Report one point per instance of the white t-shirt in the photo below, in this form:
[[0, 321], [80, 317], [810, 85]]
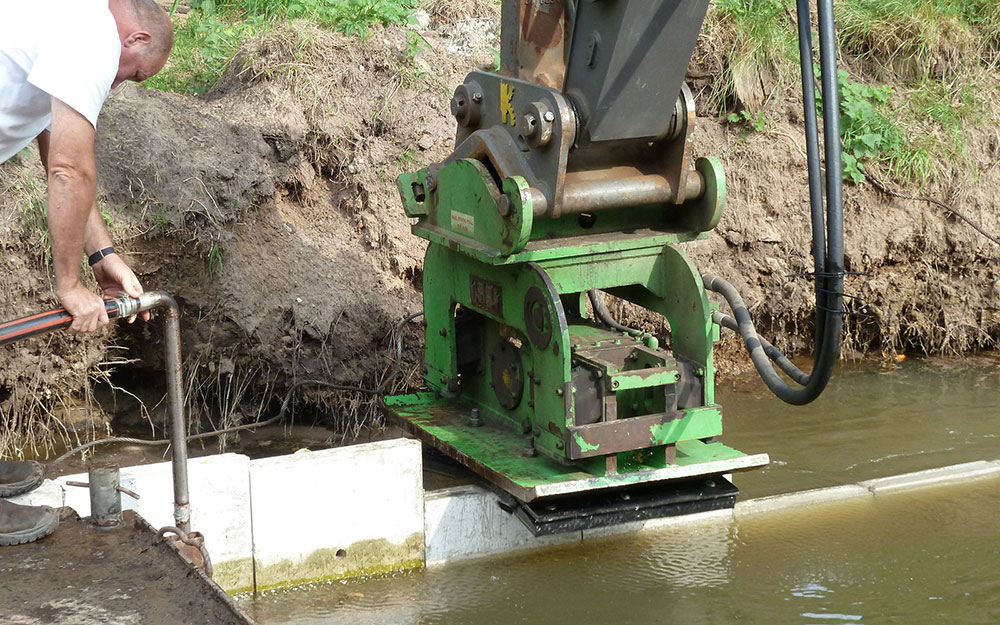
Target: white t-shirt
[[67, 49]]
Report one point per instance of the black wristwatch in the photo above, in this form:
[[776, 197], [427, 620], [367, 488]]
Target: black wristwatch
[[99, 255]]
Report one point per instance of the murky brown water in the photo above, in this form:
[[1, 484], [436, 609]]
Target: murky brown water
[[928, 557], [931, 557], [870, 422]]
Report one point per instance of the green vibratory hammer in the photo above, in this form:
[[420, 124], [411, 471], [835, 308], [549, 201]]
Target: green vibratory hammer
[[573, 176]]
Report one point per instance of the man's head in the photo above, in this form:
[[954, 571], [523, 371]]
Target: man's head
[[147, 35]]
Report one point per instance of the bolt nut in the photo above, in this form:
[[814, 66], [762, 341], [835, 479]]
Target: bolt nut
[[466, 106], [537, 124], [474, 419]]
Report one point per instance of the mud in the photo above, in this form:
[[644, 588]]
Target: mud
[[268, 208], [84, 576]]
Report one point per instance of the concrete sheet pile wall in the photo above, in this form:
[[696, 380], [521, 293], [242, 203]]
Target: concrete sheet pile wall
[[362, 510]]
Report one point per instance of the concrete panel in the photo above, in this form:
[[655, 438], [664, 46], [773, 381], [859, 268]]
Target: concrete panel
[[802, 499], [220, 508], [933, 477], [48, 493], [466, 522], [338, 513]]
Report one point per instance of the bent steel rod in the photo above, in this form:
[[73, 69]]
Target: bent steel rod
[[124, 306]]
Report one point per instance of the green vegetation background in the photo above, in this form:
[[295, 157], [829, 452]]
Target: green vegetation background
[[917, 77]]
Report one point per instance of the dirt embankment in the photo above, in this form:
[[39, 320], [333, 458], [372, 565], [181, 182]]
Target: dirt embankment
[[268, 208]]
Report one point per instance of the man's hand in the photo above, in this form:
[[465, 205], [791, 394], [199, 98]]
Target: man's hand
[[113, 276], [87, 309]]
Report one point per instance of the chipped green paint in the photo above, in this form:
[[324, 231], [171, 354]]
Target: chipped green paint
[[539, 269], [697, 423], [628, 380], [584, 445], [360, 559], [498, 451]]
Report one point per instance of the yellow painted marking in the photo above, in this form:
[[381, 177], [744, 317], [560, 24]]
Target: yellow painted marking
[[507, 104]]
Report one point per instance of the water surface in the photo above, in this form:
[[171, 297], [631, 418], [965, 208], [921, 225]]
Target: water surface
[[871, 421], [929, 557]]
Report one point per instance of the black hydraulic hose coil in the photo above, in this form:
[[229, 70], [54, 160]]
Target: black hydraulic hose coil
[[827, 229]]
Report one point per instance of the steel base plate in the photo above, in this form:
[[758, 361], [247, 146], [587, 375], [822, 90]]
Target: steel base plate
[[627, 504], [497, 454]]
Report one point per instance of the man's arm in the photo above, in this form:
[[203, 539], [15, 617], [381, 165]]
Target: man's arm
[[72, 174], [112, 274]]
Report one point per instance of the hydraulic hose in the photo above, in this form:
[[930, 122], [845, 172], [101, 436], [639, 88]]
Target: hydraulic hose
[[604, 316], [45, 322], [786, 365], [827, 229]]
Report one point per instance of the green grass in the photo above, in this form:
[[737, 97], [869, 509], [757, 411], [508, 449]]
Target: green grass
[[936, 54], [202, 50], [761, 41], [215, 260], [215, 30], [920, 38]]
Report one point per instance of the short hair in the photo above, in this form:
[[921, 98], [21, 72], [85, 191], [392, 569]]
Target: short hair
[[157, 22]]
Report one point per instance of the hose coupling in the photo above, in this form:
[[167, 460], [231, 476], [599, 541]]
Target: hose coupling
[[127, 305]]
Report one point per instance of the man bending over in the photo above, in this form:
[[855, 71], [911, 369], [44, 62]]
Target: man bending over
[[58, 61]]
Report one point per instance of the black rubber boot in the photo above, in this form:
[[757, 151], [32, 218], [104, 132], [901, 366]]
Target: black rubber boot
[[24, 524], [20, 476]]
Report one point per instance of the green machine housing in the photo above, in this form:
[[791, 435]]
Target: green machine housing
[[571, 177]]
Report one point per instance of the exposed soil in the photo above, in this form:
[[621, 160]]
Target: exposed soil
[[82, 575], [268, 208]]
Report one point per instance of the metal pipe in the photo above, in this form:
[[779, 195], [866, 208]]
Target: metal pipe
[[105, 498], [585, 196], [598, 195], [125, 306], [175, 400]]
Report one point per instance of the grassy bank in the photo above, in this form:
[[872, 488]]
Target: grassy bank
[[915, 83], [213, 31]]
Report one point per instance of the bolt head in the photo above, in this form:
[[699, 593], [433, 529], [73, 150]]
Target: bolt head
[[503, 206], [549, 116]]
